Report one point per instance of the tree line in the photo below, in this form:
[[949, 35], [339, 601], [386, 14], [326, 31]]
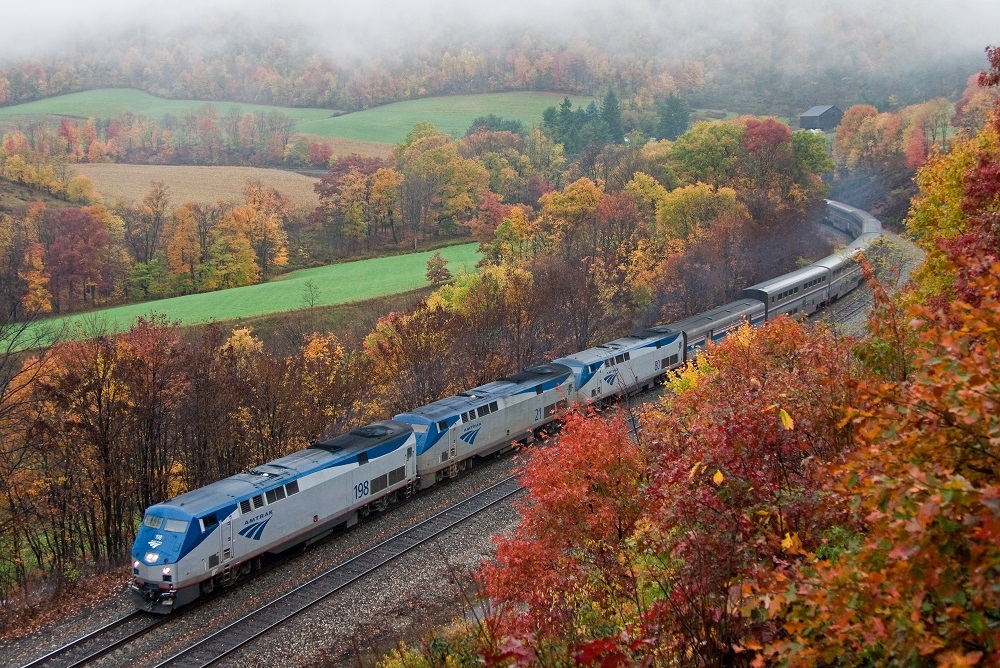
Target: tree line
[[286, 70]]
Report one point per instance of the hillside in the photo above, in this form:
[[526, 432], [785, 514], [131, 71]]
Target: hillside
[[386, 124]]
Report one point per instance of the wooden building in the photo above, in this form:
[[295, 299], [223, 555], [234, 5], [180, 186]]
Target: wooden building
[[821, 117]]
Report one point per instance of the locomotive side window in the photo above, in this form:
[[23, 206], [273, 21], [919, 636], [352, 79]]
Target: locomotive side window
[[443, 425], [276, 494], [483, 411], [292, 487], [493, 407], [207, 522], [362, 458]]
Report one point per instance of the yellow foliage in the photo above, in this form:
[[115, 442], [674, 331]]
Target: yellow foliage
[[687, 377]]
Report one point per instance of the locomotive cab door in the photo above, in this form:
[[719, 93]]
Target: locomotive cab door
[[226, 535], [452, 448]]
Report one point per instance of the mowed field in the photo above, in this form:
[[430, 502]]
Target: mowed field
[[384, 126], [330, 285], [452, 114], [110, 102], [203, 185]]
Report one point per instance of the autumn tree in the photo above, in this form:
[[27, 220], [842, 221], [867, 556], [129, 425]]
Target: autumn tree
[[19, 372], [410, 360], [81, 256], [504, 327], [352, 198], [90, 493], [917, 585], [954, 215], [211, 440], [270, 423], [145, 225], [25, 278], [233, 261], [437, 269], [440, 189], [708, 152], [566, 570]]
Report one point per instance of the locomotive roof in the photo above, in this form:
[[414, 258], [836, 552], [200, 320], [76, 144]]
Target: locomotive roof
[[610, 349], [341, 449], [477, 396], [720, 315]]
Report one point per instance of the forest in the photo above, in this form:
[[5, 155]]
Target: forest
[[807, 499]]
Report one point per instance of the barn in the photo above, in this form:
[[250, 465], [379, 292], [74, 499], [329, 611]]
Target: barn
[[821, 117]]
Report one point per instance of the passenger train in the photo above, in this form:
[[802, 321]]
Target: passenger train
[[210, 536]]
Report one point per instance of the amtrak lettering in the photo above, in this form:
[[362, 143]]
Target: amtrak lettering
[[258, 518], [254, 527]]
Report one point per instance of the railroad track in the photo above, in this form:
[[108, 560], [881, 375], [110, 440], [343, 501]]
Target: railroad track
[[265, 619], [100, 642]]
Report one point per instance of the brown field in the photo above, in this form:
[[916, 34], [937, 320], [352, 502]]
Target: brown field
[[195, 184], [343, 146]]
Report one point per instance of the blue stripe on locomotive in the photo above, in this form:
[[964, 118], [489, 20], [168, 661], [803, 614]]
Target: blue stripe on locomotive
[[546, 385], [427, 439]]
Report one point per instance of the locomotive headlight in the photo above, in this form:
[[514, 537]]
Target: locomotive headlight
[[166, 570], [151, 557], [136, 564]]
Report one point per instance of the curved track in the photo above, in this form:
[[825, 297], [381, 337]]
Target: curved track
[[248, 628]]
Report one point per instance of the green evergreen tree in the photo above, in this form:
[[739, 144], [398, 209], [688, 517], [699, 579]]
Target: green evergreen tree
[[675, 117], [611, 117]]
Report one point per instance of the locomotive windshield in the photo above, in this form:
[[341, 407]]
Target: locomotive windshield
[[156, 522]]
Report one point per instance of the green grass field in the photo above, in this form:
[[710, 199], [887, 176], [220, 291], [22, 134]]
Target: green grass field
[[453, 114], [334, 284], [387, 124], [109, 102]]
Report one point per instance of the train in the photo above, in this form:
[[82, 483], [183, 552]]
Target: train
[[212, 536]]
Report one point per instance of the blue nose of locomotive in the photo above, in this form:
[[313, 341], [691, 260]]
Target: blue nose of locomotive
[[161, 537]]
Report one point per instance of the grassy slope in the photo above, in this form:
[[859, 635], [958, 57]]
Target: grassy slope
[[386, 124], [453, 114], [335, 284], [109, 102]]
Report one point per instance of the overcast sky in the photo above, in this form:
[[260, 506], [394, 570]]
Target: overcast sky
[[913, 28]]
